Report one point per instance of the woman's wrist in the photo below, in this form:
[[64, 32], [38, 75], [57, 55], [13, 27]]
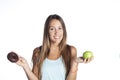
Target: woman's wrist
[[26, 66], [73, 71]]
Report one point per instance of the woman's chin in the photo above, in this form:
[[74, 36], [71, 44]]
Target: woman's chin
[[56, 42]]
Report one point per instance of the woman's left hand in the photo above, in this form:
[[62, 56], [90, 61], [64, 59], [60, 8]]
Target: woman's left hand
[[82, 60], [75, 62]]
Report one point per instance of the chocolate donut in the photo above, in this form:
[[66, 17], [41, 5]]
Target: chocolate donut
[[12, 57]]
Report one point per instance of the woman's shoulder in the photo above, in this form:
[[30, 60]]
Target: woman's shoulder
[[36, 51], [73, 50]]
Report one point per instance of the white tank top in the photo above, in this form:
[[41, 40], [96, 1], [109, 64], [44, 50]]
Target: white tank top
[[53, 69]]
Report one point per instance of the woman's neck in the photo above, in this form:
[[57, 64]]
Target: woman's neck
[[54, 52]]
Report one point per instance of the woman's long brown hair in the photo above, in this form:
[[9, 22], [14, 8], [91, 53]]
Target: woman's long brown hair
[[45, 48]]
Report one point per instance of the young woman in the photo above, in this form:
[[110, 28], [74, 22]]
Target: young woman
[[54, 59]]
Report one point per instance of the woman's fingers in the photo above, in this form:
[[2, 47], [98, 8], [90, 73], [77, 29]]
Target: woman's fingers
[[82, 60], [88, 60], [79, 60], [21, 62]]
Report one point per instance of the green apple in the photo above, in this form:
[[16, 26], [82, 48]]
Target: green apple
[[87, 54]]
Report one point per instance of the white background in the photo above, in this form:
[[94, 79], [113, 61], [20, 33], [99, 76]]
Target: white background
[[91, 25]]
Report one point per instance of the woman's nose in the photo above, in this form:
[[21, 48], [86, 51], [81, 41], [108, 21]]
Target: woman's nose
[[56, 30]]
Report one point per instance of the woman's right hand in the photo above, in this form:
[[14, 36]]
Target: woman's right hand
[[22, 62]]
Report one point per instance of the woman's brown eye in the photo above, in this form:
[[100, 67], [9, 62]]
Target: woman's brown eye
[[51, 29], [60, 28]]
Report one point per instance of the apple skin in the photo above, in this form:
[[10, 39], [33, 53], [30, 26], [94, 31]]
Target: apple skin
[[87, 54]]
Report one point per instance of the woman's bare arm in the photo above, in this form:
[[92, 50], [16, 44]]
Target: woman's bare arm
[[31, 74], [74, 66], [23, 63]]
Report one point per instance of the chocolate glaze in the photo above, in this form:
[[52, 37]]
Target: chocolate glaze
[[12, 57]]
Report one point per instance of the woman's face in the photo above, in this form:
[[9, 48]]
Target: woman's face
[[55, 31]]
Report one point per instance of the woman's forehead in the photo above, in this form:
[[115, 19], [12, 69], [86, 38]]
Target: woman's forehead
[[55, 22]]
